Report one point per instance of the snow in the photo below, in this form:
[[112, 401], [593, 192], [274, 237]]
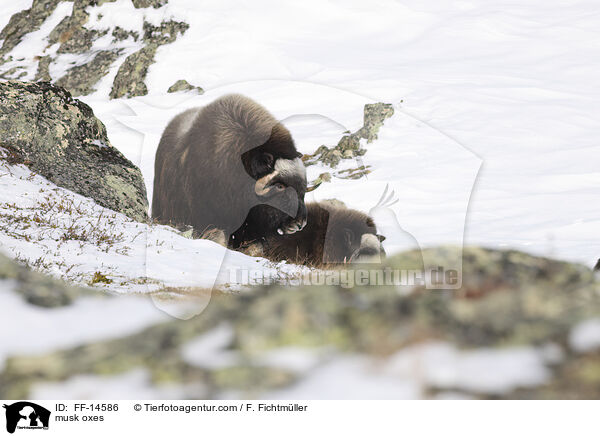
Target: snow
[[585, 336], [132, 385], [99, 143], [39, 330], [209, 349], [492, 371], [348, 378], [295, 359], [70, 236], [408, 373]]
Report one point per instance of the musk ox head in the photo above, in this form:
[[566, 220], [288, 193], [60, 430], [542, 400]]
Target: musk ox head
[[351, 237], [278, 185], [282, 192]]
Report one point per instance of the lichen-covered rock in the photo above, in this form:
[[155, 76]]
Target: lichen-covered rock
[[349, 146], [80, 80], [24, 22], [71, 33], [374, 116], [149, 3], [60, 138], [73, 37], [183, 85], [129, 81], [43, 71], [509, 299], [120, 34]]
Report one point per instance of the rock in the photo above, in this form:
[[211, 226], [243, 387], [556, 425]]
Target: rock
[[13, 73], [120, 34], [183, 85], [36, 288], [149, 3], [71, 33], [354, 173], [349, 143], [374, 116], [60, 138], [215, 235], [80, 80], [73, 37], [129, 81], [323, 177], [43, 71], [509, 299], [349, 146], [24, 22]]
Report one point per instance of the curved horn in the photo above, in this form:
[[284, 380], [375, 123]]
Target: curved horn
[[261, 184]]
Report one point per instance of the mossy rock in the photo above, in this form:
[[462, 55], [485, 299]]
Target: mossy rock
[[349, 147], [129, 81], [509, 298], [69, 146], [38, 289], [183, 85]]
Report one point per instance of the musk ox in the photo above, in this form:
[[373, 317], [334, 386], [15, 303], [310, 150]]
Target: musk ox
[[333, 235], [229, 166]]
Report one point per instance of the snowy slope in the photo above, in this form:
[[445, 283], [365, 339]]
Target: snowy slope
[[507, 84], [71, 237]]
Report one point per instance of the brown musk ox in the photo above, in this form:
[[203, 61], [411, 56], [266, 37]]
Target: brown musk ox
[[333, 235], [229, 166]]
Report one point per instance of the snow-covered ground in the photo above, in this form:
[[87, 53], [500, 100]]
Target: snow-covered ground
[[71, 237], [406, 374]]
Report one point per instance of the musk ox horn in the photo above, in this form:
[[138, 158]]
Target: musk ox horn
[[261, 184]]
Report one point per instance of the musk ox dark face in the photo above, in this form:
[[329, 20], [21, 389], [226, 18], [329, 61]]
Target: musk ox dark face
[[351, 237], [281, 194]]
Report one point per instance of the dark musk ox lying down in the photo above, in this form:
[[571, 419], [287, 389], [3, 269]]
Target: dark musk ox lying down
[[232, 167], [333, 235]]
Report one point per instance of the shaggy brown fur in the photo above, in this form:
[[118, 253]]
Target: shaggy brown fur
[[332, 235], [230, 166]]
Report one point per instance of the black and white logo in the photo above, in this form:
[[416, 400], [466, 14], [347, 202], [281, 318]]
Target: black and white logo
[[26, 415]]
